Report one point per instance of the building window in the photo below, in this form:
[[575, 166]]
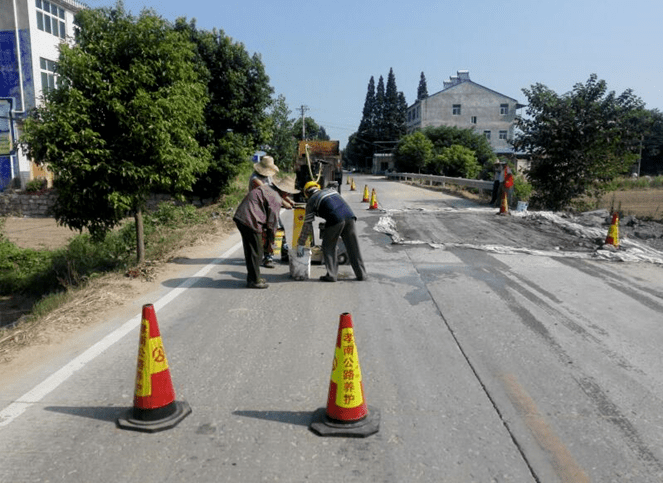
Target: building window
[[456, 110], [48, 78], [50, 18], [504, 109], [487, 134], [473, 119], [503, 135]]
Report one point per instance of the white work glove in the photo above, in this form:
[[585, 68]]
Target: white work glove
[[300, 251]]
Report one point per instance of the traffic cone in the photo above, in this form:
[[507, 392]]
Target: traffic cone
[[374, 201], [347, 413], [613, 232], [347, 180], [352, 186], [504, 206], [365, 194], [155, 408]]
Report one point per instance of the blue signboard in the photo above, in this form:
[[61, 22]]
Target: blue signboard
[[5, 172]]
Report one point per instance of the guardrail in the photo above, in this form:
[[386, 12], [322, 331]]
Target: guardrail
[[432, 179]]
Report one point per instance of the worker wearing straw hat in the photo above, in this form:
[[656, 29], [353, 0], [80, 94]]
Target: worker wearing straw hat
[[258, 213], [263, 172]]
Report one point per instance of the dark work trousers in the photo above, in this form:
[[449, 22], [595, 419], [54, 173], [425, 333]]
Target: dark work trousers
[[496, 190], [345, 230], [253, 251]]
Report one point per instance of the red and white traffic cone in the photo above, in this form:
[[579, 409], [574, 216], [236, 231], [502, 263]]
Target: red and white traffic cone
[[347, 413], [155, 408]]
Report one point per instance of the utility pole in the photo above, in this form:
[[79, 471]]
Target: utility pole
[[303, 109]]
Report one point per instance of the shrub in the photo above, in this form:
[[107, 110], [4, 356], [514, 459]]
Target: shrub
[[522, 189], [36, 185]]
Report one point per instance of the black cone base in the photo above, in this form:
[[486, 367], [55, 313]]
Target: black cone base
[[323, 425], [151, 425]]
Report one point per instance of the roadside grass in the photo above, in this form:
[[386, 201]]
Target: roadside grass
[[643, 182], [47, 279]]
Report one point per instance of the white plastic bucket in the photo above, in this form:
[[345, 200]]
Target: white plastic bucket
[[522, 206], [300, 267]]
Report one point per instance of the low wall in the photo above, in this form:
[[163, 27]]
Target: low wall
[[33, 205], [38, 205]]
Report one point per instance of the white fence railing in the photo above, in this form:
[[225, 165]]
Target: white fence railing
[[432, 179]]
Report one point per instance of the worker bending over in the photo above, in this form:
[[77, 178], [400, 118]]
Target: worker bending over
[[339, 222], [257, 213]]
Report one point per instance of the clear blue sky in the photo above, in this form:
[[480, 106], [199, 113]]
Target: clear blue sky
[[321, 54]]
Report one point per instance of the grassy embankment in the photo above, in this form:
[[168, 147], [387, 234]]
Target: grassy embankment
[[40, 281]]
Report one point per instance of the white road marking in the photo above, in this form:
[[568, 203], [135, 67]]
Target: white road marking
[[18, 407]]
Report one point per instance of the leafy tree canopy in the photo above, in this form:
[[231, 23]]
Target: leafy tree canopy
[[236, 116], [282, 145], [414, 151], [313, 130], [124, 121], [578, 141], [444, 137], [456, 161], [652, 145]]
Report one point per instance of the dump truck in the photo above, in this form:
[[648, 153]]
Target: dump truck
[[319, 161]]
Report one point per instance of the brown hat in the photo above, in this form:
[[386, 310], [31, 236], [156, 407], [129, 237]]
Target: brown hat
[[266, 166], [286, 185]]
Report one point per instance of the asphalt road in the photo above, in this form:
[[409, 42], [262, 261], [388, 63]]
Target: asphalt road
[[485, 365]]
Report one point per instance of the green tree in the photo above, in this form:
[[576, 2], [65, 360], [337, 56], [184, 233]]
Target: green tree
[[379, 109], [444, 137], [282, 144], [652, 146], [313, 130], [393, 121], [368, 122], [382, 124], [422, 90], [413, 152], [360, 147], [123, 122], [456, 161], [236, 116], [578, 141]]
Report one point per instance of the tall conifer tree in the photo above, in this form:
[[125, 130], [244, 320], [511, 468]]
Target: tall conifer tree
[[422, 90], [367, 124], [391, 115], [379, 109]]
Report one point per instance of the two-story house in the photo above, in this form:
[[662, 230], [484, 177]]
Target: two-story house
[[466, 104], [30, 32]]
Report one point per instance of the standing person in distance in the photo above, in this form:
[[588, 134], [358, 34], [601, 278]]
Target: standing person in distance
[[499, 177], [339, 222], [258, 213], [506, 185]]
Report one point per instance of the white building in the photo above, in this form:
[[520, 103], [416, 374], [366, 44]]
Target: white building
[[466, 104], [30, 32]]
